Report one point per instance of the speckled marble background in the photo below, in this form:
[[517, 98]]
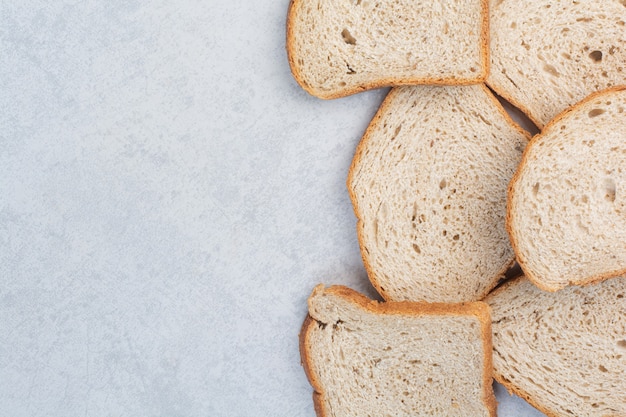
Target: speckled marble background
[[168, 199]]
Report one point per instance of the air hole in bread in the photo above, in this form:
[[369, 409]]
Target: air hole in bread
[[550, 69], [443, 184], [417, 249], [596, 56], [602, 369], [347, 37], [395, 133], [621, 344], [596, 112], [609, 189], [536, 189]]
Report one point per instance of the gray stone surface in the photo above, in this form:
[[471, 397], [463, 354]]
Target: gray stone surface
[[168, 199]]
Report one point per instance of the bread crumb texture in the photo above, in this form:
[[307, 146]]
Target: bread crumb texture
[[339, 47], [564, 352], [548, 55]]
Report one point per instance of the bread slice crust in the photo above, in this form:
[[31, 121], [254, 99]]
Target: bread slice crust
[[511, 387], [511, 207], [389, 81], [353, 172], [479, 310]]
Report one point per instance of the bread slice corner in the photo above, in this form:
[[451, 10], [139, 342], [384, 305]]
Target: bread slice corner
[[363, 357]]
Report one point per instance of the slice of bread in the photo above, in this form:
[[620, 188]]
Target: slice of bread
[[547, 56], [565, 352], [429, 186], [365, 358], [340, 47], [567, 202]]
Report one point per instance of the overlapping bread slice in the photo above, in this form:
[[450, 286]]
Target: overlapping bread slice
[[341, 47], [429, 186], [563, 352], [548, 55], [567, 203], [365, 358]]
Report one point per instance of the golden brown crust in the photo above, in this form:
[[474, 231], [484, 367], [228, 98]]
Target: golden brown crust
[[356, 161], [289, 42], [504, 113], [360, 149], [477, 309], [502, 93], [516, 391], [508, 219], [489, 397], [387, 82], [318, 404], [318, 398]]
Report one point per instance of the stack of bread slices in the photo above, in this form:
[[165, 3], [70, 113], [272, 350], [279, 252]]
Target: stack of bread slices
[[451, 195]]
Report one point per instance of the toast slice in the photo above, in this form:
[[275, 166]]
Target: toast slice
[[340, 47], [365, 358], [547, 56], [565, 352], [567, 202], [429, 184]]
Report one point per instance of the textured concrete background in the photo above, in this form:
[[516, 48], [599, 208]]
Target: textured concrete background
[[168, 199]]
